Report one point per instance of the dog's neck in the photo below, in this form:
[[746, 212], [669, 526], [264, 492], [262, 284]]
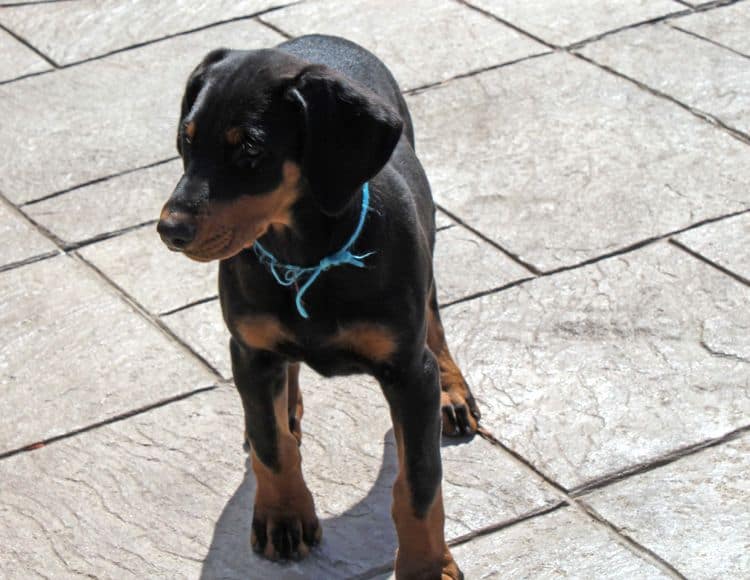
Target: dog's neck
[[312, 234]]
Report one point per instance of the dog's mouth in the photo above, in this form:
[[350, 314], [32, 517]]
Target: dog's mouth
[[217, 247], [223, 245]]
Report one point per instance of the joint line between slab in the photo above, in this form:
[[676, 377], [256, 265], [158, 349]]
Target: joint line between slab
[[530, 267], [275, 28], [626, 540], [706, 39], [706, 117], [154, 320], [189, 305], [30, 46], [633, 546], [704, 259], [468, 537], [103, 423], [98, 180]]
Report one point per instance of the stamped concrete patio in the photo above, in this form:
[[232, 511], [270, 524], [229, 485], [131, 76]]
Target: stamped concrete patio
[[591, 162]]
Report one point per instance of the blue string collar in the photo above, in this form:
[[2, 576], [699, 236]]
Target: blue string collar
[[288, 274]]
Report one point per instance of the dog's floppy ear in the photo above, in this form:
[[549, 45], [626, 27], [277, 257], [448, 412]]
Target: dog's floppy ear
[[349, 134], [195, 83]]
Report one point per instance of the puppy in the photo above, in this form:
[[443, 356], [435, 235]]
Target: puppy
[[300, 178]]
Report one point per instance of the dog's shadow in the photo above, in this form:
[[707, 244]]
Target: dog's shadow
[[354, 541]]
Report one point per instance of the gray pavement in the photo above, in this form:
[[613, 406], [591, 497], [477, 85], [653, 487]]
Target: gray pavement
[[590, 162]]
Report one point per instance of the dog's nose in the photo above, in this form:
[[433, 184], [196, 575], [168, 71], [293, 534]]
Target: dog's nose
[[177, 231]]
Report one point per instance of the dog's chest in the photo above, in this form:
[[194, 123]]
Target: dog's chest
[[348, 348]]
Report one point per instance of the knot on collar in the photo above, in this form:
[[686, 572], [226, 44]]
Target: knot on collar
[[288, 274]]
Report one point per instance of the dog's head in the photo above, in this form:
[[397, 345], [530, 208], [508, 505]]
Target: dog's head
[[260, 130]]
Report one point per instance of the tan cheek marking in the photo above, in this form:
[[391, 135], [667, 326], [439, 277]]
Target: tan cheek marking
[[249, 217], [372, 341], [262, 332]]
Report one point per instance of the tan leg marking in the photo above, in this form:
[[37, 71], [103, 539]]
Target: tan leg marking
[[422, 551], [460, 411], [294, 405], [284, 519]]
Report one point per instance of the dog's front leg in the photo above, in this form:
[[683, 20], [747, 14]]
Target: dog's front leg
[[414, 398], [284, 520]]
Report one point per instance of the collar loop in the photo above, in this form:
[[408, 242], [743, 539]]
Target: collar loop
[[288, 274]]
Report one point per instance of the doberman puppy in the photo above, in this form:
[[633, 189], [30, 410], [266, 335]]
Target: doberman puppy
[[300, 177]]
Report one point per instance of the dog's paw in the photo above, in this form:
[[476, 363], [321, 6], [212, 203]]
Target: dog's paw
[[285, 537], [460, 413]]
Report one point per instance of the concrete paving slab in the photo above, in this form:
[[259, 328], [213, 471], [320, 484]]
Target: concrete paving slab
[[592, 371], [727, 25], [202, 327], [692, 512], [563, 22], [562, 544], [21, 240], [108, 206], [160, 280], [17, 60], [693, 71], [73, 354], [106, 116], [725, 243], [163, 493], [74, 31], [560, 162], [419, 49], [466, 264]]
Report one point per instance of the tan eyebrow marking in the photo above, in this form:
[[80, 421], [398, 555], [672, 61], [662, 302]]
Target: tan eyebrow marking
[[190, 130], [233, 136]]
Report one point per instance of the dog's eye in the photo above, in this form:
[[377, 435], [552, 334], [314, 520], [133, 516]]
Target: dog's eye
[[248, 155]]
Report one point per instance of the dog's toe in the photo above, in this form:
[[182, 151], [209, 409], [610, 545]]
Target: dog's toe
[[284, 538], [460, 414]]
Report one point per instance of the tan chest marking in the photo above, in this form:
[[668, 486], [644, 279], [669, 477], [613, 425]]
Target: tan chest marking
[[263, 332], [371, 341]]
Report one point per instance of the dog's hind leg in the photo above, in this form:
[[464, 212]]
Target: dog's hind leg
[[460, 411], [284, 521]]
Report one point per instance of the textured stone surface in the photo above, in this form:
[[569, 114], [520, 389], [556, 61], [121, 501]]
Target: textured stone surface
[[593, 370], [419, 50], [563, 22], [466, 264], [692, 512], [105, 116], [163, 494], [560, 162], [157, 278], [73, 353], [727, 25], [17, 60], [724, 243], [20, 240], [111, 205], [72, 31], [203, 328], [562, 544], [705, 76]]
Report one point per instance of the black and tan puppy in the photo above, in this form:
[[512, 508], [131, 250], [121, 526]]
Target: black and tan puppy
[[301, 178]]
